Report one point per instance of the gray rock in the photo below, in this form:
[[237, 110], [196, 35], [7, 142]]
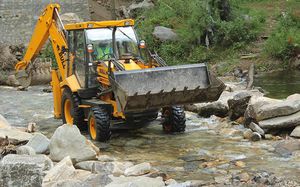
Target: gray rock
[[135, 7], [136, 181], [3, 122], [61, 171], [215, 108], [164, 34], [20, 174], [25, 150], [139, 169], [255, 137], [68, 18], [115, 168], [296, 132], [106, 158], [281, 122], [14, 134], [190, 183], [238, 105], [40, 143], [97, 180], [41, 161], [67, 141], [254, 127], [269, 137]]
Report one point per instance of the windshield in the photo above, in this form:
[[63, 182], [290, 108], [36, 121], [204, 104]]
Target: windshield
[[126, 43]]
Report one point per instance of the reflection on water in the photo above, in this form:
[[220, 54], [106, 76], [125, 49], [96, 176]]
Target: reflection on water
[[279, 84]]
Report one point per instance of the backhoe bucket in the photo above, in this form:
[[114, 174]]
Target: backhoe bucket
[[152, 88]]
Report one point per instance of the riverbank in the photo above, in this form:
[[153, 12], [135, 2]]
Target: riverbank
[[212, 151]]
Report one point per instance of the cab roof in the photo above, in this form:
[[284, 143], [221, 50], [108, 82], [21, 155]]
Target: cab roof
[[99, 24]]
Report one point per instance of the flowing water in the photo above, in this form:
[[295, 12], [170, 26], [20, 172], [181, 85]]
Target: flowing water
[[200, 153], [279, 84]]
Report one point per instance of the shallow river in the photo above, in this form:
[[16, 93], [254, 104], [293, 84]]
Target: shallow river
[[182, 156]]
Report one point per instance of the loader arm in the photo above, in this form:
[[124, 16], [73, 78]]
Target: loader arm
[[50, 26]]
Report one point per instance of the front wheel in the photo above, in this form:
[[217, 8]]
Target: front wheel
[[174, 119], [99, 124]]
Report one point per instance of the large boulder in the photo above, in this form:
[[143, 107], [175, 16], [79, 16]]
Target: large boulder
[[136, 181], [39, 142], [3, 122], [23, 170], [25, 150], [275, 108], [281, 122], [164, 34], [67, 141]]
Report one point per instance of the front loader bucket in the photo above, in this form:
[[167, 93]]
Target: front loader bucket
[[164, 86]]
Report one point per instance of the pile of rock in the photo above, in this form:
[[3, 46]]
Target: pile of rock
[[68, 158], [262, 116]]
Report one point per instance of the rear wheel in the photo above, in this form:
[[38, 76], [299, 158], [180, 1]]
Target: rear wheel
[[99, 124], [174, 119], [71, 113]]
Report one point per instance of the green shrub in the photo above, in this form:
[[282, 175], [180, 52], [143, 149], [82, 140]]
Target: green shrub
[[284, 42]]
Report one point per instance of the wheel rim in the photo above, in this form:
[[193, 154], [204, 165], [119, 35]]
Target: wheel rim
[[92, 127], [67, 112]]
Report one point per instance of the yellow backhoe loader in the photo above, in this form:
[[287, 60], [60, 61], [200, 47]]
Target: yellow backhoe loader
[[102, 81]]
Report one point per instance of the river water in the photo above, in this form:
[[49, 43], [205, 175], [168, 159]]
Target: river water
[[202, 152], [279, 84]]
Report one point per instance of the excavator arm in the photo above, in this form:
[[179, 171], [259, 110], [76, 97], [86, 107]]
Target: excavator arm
[[49, 25]]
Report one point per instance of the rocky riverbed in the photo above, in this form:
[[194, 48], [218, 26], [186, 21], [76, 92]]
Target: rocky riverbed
[[213, 150]]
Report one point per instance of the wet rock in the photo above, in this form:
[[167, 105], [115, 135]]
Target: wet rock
[[238, 104], [14, 134], [296, 132], [25, 150], [287, 147], [255, 137], [269, 137], [3, 122], [247, 134], [255, 128], [190, 183], [224, 179], [67, 141], [139, 169], [281, 122], [61, 171], [136, 181], [164, 34], [240, 164], [231, 132], [115, 168], [40, 143], [31, 127], [214, 108]]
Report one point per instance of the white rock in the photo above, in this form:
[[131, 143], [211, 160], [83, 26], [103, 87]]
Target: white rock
[[136, 182], [39, 142], [106, 158], [296, 132], [62, 170], [139, 169], [164, 33], [256, 128], [67, 141], [25, 150]]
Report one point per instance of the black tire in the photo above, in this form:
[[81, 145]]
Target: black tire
[[76, 112], [102, 124], [174, 119]]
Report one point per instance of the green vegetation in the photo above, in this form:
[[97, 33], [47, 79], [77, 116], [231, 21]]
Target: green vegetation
[[284, 42], [196, 21]]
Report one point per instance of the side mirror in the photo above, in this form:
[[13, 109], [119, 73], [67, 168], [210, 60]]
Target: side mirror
[[90, 48], [142, 44]]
